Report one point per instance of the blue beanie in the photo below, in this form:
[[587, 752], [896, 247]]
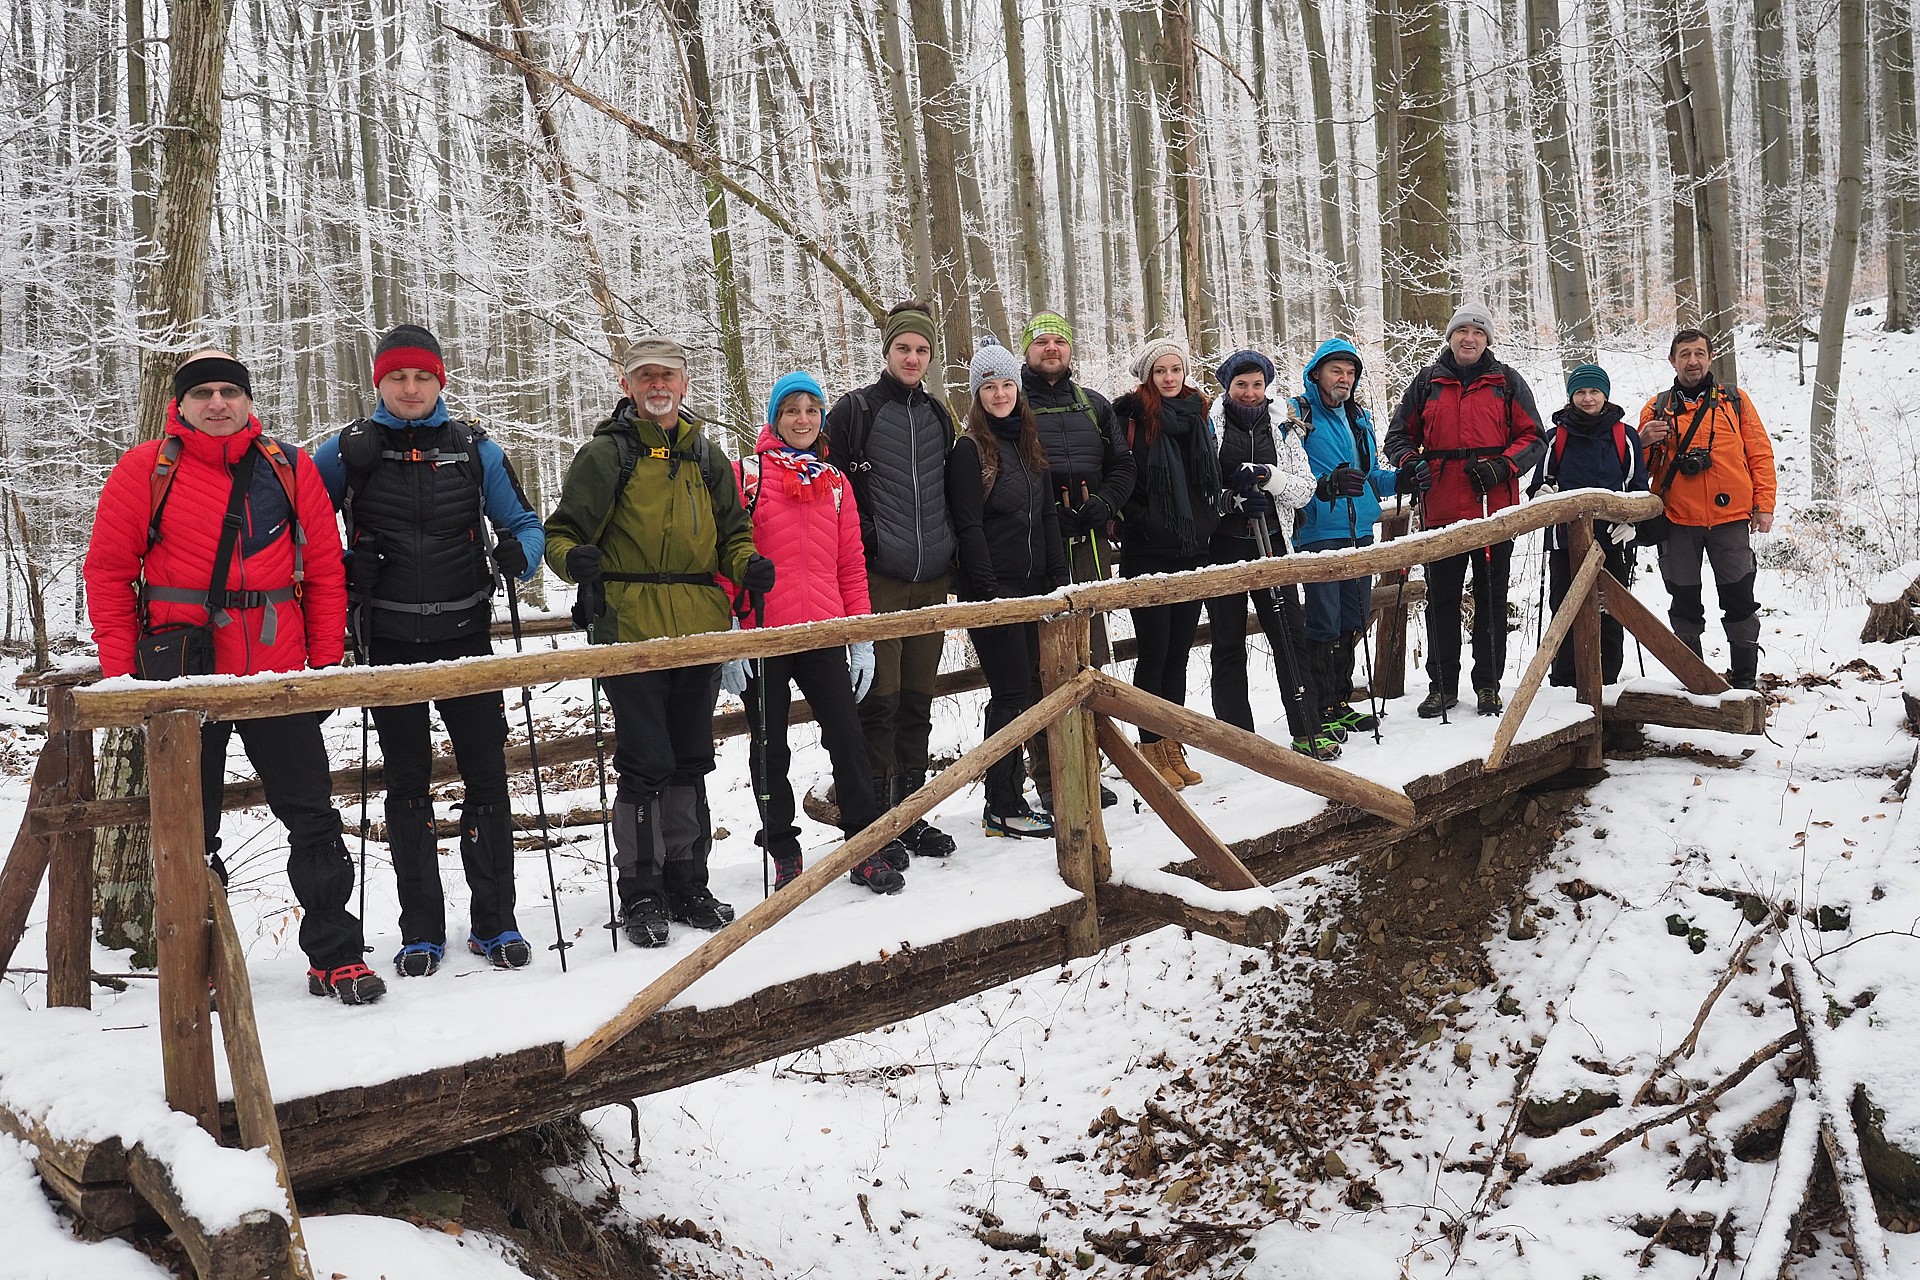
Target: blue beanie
[[1238, 363], [798, 380], [1589, 375]]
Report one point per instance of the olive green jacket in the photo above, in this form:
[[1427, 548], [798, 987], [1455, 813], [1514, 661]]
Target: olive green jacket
[[679, 513]]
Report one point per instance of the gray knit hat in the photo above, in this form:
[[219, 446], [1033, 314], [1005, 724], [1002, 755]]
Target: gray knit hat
[[1155, 348], [1475, 314], [991, 362]]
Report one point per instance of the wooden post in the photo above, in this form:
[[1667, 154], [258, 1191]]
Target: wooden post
[[70, 865], [1390, 636], [1588, 675], [1065, 644], [27, 860], [1564, 619], [252, 1096], [180, 916]]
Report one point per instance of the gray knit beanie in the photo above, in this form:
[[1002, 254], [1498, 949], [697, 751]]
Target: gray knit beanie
[[1475, 314], [991, 362]]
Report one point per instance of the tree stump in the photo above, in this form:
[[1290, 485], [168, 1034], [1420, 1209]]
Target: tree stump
[[1893, 606]]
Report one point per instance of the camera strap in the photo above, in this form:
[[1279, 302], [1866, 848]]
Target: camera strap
[[1693, 429]]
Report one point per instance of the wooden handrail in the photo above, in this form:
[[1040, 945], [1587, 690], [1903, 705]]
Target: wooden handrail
[[272, 694]]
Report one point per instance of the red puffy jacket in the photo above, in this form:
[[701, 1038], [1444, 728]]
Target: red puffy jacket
[[310, 630], [812, 537], [1450, 424]]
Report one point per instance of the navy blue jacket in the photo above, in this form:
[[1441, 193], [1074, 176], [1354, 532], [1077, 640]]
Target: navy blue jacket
[[1590, 459]]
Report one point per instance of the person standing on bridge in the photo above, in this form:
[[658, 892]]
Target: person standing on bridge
[[649, 513], [215, 501], [1471, 422], [423, 495], [803, 512]]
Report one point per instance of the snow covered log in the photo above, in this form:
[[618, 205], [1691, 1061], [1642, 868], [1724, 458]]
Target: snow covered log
[[1893, 606]]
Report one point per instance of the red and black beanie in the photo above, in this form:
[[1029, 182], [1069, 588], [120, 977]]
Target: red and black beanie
[[408, 346]]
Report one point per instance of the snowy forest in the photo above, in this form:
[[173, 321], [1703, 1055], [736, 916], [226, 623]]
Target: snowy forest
[[760, 178]]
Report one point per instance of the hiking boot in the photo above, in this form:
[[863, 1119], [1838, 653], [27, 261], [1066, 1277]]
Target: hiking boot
[[350, 983], [923, 839], [896, 855], [508, 951], [1320, 747], [1020, 822], [1177, 757], [1330, 727], [1436, 704], [1743, 671], [877, 874], [1156, 754], [786, 869], [645, 920], [700, 909], [419, 959], [1352, 719], [1107, 798], [1489, 703]]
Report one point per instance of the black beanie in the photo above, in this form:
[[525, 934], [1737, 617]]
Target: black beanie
[[408, 346], [213, 367]]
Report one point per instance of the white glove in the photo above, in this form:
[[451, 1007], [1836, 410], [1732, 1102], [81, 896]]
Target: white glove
[[1621, 534], [1546, 488], [733, 676], [860, 667]]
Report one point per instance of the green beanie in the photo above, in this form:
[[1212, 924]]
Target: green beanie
[[911, 320], [1046, 322], [1589, 375]]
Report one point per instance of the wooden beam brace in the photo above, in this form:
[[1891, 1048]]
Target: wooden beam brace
[[1563, 619], [969, 768], [70, 866], [27, 861], [1124, 702], [1687, 666], [1228, 872], [1264, 926]]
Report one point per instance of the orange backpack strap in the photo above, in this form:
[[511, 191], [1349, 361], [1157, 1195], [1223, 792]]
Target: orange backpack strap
[[159, 484], [283, 470]]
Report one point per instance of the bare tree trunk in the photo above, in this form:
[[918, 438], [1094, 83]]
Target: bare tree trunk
[[685, 16], [1384, 18], [1681, 162], [1114, 233], [1181, 118], [919, 208], [175, 295], [139, 125], [1894, 57], [1776, 172], [1422, 193], [1333, 235], [1566, 257], [1064, 175], [1712, 199], [939, 105], [1849, 179], [1142, 30], [1026, 170]]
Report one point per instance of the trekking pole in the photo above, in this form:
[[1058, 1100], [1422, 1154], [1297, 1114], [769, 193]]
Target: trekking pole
[[606, 818], [560, 942], [360, 648], [1366, 630], [761, 796], [1293, 692]]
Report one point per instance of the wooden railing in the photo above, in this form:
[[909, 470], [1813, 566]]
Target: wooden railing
[[1078, 711]]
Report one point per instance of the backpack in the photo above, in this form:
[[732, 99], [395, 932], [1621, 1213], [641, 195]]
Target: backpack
[[750, 484], [160, 485], [468, 432]]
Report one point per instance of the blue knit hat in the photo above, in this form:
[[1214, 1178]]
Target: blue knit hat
[[1589, 375], [1239, 362], [991, 362], [798, 380]]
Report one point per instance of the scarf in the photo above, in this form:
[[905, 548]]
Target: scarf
[[797, 468], [1248, 417], [1180, 467], [437, 417]]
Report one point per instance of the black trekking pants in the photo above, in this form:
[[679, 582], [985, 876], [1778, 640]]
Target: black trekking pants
[[1165, 636], [662, 729], [1613, 646], [1009, 656], [477, 728], [1445, 578], [1284, 625], [291, 759], [828, 688]]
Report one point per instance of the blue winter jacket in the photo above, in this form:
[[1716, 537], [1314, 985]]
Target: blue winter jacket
[[1332, 436]]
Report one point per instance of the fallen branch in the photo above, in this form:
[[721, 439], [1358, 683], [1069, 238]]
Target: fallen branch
[[1837, 1133], [1565, 1172], [1735, 965], [1787, 1197], [1165, 1117]]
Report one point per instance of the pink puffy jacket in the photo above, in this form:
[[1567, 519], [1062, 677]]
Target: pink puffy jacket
[[810, 529]]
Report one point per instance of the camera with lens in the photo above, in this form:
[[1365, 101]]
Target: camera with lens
[[1694, 462]]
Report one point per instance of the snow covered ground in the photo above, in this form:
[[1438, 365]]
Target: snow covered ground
[[886, 1154]]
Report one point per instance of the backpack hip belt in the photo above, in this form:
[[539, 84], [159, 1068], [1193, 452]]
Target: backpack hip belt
[[226, 601], [433, 608], [664, 579]]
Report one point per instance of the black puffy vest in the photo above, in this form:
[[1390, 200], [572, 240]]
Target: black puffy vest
[[1013, 513], [1076, 447], [421, 503], [906, 489]]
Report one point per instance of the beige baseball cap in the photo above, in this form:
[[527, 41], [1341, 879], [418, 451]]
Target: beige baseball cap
[[652, 348]]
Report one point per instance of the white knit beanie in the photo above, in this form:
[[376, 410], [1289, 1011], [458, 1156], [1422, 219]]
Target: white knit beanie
[[1155, 348]]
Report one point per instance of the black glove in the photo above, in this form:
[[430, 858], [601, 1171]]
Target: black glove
[[512, 557], [1487, 474], [583, 564], [758, 576], [1258, 505], [1414, 476], [363, 567], [1246, 480], [1093, 514], [1341, 482]]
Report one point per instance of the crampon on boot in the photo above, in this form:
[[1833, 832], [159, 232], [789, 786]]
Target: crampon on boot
[[352, 983], [508, 951]]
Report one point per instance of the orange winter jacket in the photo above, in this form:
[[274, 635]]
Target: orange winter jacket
[[1741, 479]]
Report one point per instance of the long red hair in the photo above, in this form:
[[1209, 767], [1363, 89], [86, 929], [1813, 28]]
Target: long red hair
[[1150, 402]]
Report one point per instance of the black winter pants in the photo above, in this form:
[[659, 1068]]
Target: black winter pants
[[1009, 656], [662, 728], [291, 760], [1165, 636], [477, 727], [1445, 578], [1283, 623], [824, 682], [1613, 646]]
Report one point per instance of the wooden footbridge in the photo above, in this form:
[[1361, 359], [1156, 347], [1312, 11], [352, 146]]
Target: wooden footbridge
[[649, 1032]]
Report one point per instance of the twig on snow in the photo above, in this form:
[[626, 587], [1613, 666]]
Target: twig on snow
[[1735, 965]]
